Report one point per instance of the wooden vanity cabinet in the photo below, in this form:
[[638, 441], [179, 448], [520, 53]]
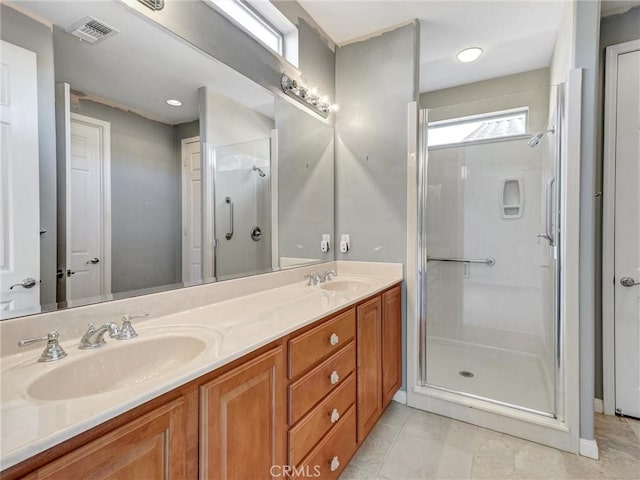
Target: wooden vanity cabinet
[[379, 367], [369, 331], [305, 402], [155, 445], [243, 420], [391, 344], [322, 397]]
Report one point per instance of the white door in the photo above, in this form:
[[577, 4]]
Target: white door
[[87, 210], [19, 194], [191, 211], [627, 235]]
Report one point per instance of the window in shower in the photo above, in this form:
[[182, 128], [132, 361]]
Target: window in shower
[[488, 126]]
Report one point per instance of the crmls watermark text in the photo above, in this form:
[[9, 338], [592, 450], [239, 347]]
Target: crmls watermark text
[[304, 471]]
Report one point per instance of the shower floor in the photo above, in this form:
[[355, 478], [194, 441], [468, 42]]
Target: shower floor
[[504, 375]]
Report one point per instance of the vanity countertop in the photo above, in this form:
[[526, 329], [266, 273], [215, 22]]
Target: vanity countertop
[[223, 332]]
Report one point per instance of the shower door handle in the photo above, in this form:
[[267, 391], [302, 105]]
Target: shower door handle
[[229, 234], [548, 222]]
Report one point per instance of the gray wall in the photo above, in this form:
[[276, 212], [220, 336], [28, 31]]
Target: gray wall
[[486, 89], [613, 30], [25, 32], [512, 91], [305, 183], [186, 130], [146, 211], [375, 81]]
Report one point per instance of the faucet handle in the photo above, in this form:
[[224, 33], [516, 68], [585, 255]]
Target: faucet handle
[[328, 273], [53, 350], [127, 331], [128, 316]]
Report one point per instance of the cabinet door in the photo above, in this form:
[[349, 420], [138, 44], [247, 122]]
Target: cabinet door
[[243, 429], [156, 445], [369, 368], [391, 344]]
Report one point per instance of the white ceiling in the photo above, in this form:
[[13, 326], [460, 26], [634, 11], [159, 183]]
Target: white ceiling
[[143, 65], [516, 36]]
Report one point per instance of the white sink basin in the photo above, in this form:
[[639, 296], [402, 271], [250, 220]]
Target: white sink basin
[[345, 286], [116, 366]]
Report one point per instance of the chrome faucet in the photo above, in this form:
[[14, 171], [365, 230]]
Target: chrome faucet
[[327, 275], [314, 279], [53, 350], [127, 331], [94, 338]]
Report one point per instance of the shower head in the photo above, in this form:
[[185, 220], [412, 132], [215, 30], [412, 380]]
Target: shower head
[[260, 171], [535, 140]]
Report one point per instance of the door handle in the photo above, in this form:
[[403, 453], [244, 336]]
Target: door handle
[[93, 261], [229, 234], [548, 233], [628, 282], [26, 283]]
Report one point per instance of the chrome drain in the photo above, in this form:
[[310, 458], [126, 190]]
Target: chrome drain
[[466, 374]]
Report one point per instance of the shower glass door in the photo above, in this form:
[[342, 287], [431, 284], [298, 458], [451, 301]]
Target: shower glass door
[[242, 184], [489, 259]]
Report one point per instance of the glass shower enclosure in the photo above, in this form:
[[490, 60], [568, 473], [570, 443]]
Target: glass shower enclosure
[[488, 254], [242, 197]]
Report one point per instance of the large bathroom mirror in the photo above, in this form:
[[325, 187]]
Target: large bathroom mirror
[[133, 162]]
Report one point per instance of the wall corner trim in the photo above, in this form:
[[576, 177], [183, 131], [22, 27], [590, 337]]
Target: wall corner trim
[[400, 397], [598, 405], [589, 448]]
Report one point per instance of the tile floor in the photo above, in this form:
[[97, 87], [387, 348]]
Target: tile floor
[[410, 444]]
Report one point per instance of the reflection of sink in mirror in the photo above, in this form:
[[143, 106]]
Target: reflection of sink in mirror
[[132, 113], [116, 366], [345, 286]]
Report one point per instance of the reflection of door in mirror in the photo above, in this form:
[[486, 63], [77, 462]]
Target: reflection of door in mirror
[[88, 209], [19, 197], [191, 211]]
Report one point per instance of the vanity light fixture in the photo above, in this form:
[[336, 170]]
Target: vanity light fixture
[[469, 54], [310, 97], [174, 103]]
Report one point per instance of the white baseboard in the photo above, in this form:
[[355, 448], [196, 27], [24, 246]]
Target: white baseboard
[[589, 448], [598, 405], [400, 397]]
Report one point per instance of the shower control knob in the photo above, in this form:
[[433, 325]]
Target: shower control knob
[[628, 282]]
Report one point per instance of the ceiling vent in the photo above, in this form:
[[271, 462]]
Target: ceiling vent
[[91, 30], [153, 4]]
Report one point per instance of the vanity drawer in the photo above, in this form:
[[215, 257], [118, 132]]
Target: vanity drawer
[[318, 343], [319, 421], [332, 454], [309, 390]]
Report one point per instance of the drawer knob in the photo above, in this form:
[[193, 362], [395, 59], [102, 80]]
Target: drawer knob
[[335, 415], [334, 339], [334, 463], [334, 377]]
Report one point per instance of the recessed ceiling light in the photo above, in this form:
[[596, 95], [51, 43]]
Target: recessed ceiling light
[[174, 103], [469, 54]]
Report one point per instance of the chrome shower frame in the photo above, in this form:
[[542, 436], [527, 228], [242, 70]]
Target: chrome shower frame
[[422, 265]]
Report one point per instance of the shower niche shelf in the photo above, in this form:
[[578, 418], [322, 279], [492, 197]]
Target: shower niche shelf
[[512, 198]]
